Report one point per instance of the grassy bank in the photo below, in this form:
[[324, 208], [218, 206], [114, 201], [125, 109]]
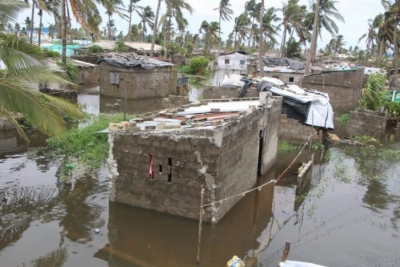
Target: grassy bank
[[85, 144]]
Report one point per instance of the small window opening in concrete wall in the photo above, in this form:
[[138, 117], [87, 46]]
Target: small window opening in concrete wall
[[170, 170], [151, 171], [227, 61], [160, 169], [291, 79]]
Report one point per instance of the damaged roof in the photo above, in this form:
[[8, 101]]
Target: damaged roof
[[132, 61]]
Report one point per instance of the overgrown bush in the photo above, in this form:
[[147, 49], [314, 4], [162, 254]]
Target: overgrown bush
[[375, 96], [95, 49], [72, 69], [197, 66], [85, 144], [50, 53], [121, 46]]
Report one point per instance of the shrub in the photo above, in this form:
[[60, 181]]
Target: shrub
[[95, 49], [50, 53], [72, 69], [197, 66]]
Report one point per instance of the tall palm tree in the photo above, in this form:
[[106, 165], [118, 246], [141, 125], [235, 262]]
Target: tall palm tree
[[174, 9], [293, 16], [147, 16], [393, 15], [33, 3], [210, 34], [313, 45], [270, 29], [153, 39], [370, 37], [327, 14], [250, 7], [241, 28], [131, 7], [23, 66], [339, 43], [225, 14]]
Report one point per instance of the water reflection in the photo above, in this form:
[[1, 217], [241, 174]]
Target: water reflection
[[148, 238]]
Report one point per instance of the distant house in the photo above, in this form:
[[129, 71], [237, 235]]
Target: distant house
[[140, 77], [234, 61], [287, 70]]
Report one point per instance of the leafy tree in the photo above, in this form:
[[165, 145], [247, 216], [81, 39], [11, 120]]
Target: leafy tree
[[293, 48]]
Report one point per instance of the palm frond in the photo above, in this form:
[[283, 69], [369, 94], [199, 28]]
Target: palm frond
[[9, 9]]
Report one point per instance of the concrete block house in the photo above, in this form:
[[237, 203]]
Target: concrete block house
[[163, 161], [141, 77]]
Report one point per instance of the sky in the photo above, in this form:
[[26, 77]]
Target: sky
[[355, 12]]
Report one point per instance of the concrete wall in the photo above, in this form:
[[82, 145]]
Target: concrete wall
[[343, 87], [216, 92], [174, 101], [91, 58], [271, 133], [223, 160], [286, 77], [293, 131], [139, 83], [70, 95], [87, 76], [365, 122], [394, 82]]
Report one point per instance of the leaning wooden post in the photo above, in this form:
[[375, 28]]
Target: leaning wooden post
[[200, 223], [285, 252]]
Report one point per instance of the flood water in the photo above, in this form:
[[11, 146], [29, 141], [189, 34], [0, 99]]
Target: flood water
[[349, 214]]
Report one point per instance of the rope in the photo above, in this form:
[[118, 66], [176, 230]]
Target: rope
[[290, 165], [260, 186]]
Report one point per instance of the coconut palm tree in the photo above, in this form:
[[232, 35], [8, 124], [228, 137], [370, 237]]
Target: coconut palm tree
[[153, 39], [147, 16], [225, 13], [241, 29], [371, 37], [270, 29], [23, 66], [293, 17], [313, 45], [131, 7], [393, 16], [174, 9], [250, 7], [210, 34], [327, 14], [339, 43]]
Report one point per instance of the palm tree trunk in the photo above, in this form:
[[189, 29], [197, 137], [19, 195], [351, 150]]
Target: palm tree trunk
[[396, 48], [380, 53], [63, 37], [153, 39], [167, 31], [235, 42], [261, 41], [143, 31], [283, 39], [313, 45], [219, 34], [40, 26], [32, 21], [130, 24], [109, 27], [367, 54]]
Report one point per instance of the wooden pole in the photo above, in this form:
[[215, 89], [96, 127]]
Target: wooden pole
[[285, 252], [200, 224]]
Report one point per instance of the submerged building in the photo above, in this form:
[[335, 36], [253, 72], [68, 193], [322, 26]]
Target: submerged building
[[162, 161]]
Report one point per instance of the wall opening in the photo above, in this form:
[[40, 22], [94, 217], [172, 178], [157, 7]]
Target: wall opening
[[260, 151], [170, 170], [227, 61], [160, 169], [291, 79]]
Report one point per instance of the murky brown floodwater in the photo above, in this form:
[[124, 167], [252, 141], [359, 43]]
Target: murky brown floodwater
[[348, 216]]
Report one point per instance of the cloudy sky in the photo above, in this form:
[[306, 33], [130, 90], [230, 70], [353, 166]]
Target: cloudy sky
[[355, 12]]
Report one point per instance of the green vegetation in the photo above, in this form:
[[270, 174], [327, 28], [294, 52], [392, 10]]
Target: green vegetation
[[286, 147], [375, 96], [197, 66], [343, 119], [50, 53], [85, 144], [72, 69], [120, 46], [366, 139], [95, 49]]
